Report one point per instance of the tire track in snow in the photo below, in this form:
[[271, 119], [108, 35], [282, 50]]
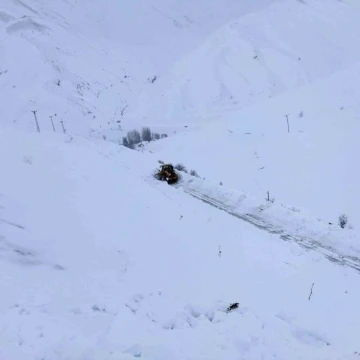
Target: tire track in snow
[[308, 243]]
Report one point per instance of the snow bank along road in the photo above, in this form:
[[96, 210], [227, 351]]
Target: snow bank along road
[[285, 233]]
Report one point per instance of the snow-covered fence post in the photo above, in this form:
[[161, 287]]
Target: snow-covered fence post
[[311, 291], [62, 124], [287, 119], [36, 121], [51, 118]]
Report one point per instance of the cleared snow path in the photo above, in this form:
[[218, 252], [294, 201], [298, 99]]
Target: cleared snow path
[[331, 253]]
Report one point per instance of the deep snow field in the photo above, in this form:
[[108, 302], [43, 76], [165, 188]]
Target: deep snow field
[[99, 260]]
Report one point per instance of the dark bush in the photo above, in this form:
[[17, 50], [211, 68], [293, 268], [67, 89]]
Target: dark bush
[[180, 167], [343, 220], [194, 173]]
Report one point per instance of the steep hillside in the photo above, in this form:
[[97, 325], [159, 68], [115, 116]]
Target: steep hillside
[[244, 259], [312, 167], [99, 260], [104, 68], [259, 56], [88, 62]]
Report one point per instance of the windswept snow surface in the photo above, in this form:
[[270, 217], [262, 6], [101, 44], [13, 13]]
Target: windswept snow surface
[[100, 260]]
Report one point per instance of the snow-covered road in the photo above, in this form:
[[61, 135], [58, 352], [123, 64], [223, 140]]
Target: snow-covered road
[[285, 234]]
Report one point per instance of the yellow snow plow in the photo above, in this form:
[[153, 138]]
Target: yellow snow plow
[[167, 173]]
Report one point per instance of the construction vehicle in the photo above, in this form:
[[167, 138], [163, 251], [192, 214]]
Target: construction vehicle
[[167, 173]]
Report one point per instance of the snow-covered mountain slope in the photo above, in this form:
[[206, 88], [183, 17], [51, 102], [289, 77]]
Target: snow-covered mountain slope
[[99, 260], [88, 62], [313, 167], [103, 67], [259, 56]]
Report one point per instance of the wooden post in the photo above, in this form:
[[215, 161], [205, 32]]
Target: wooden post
[[62, 123], [287, 119], [36, 121], [52, 123]]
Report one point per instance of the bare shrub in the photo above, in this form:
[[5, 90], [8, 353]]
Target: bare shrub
[[146, 134], [180, 167], [232, 307], [343, 220], [133, 137], [126, 143]]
